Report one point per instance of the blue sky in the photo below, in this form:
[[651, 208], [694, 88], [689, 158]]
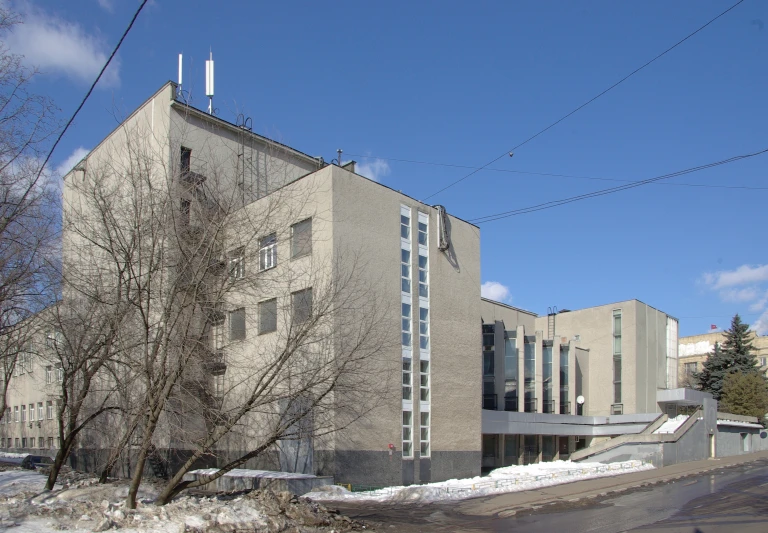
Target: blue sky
[[461, 83]]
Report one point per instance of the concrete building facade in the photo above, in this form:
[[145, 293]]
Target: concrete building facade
[[695, 349]]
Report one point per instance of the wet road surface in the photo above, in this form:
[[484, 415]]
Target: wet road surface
[[732, 500]]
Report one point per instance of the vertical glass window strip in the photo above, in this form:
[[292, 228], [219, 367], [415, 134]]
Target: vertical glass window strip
[[422, 233], [407, 435], [406, 324], [424, 328], [405, 271], [268, 252], [424, 434], [510, 375], [423, 276], [405, 227], [565, 404], [529, 367], [407, 387], [617, 356], [547, 379], [424, 381]]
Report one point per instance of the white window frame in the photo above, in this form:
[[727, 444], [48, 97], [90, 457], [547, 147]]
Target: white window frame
[[407, 381], [425, 447], [40, 411], [406, 318], [23, 414], [237, 264], [49, 409], [424, 381], [268, 252], [32, 412], [407, 431]]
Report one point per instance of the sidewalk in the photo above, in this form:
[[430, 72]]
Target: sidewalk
[[509, 504]]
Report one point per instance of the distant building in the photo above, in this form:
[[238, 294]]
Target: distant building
[[693, 351]]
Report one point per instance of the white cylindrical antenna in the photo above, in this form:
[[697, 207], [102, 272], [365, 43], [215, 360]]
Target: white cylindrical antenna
[[209, 82], [180, 64]]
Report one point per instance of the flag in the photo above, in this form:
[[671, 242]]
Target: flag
[[712, 326]]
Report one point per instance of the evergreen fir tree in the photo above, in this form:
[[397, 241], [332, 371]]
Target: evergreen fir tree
[[735, 355]]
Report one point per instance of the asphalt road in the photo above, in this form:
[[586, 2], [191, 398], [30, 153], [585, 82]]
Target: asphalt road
[[732, 499]]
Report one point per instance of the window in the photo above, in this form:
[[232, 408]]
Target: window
[[407, 389], [407, 436], [237, 324], [268, 252], [17, 442], [217, 332], [423, 277], [488, 360], [15, 413], [8, 417], [690, 368], [59, 373], [510, 373], [529, 369], [763, 361], [237, 263], [424, 381], [424, 328], [186, 159], [49, 410], [405, 271], [218, 386], [23, 442], [31, 412], [617, 356], [39, 410], [302, 305], [422, 233], [268, 316], [424, 434], [406, 324], [549, 406], [186, 207], [405, 226], [49, 374], [40, 442], [50, 442], [301, 238], [565, 405], [23, 413]]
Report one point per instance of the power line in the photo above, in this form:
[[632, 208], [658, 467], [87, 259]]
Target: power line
[[93, 86], [550, 174], [602, 192], [585, 104]]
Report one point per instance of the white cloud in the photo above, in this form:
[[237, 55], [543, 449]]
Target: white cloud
[[493, 290], [56, 45], [109, 5], [375, 170], [746, 294], [743, 275], [67, 165], [761, 324], [760, 304]]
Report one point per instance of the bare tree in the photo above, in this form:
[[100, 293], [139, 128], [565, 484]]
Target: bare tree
[[27, 203]]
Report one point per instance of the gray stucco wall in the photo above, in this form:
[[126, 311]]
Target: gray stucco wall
[[729, 440]]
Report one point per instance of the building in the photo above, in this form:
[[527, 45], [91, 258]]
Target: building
[[694, 350], [575, 369]]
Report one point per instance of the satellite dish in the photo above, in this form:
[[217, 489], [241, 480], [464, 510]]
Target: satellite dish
[[580, 400]]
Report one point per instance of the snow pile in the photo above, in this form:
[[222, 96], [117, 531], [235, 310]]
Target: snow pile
[[89, 506], [501, 480], [671, 425], [13, 455]]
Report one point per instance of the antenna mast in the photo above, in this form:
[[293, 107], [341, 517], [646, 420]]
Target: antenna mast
[[209, 82], [178, 87]]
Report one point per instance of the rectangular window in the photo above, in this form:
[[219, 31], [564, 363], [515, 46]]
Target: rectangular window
[[8, 416], [302, 305], [217, 333], [31, 412], [50, 442], [268, 252], [617, 356], [268, 316], [39, 410], [424, 381], [422, 233], [763, 361], [17, 442], [23, 442], [15, 413], [548, 404], [49, 409], [424, 434], [301, 238], [405, 271], [186, 159], [423, 277], [565, 404], [406, 324], [40, 442], [529, 367], [23, 413], [59, 373], [405, 227], [510, 374], [237, 263], [423, 328], [49, 374], [407, 436], [237, 324], [407, 387], [488, 363], [690, 368]]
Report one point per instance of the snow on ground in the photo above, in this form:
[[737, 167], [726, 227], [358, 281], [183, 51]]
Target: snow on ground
[[82, 505], [671, 425], [501, 480]]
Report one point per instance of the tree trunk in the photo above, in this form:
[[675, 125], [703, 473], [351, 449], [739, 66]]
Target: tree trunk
[[138, 474], [58, 462]]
